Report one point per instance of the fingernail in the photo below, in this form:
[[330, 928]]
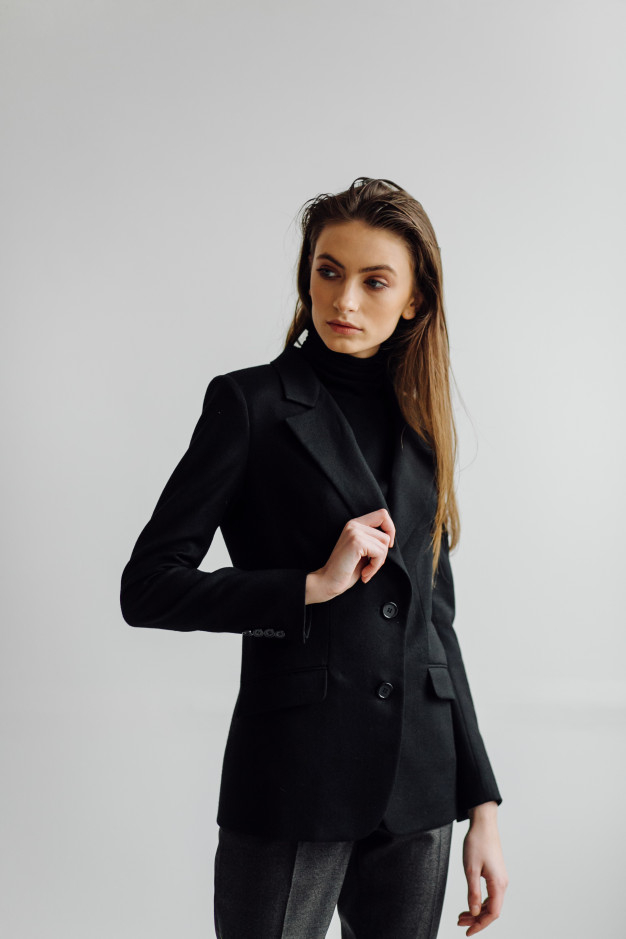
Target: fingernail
[[475, 910]]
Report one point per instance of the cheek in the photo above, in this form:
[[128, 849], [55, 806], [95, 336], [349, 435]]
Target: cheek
[[319, 291], [388, 311]]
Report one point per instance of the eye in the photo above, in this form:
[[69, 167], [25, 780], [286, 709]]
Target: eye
[[371, 280]]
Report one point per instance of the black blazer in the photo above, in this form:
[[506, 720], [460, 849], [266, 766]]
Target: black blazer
[[327, 690]]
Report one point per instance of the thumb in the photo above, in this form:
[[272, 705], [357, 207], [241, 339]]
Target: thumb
[[474, 895]]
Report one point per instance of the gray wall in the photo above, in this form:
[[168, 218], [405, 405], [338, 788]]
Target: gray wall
[[154, 157]]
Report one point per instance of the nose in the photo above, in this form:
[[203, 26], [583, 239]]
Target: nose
[[346, 301]]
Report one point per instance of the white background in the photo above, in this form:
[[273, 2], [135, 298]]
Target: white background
[[155, 155]]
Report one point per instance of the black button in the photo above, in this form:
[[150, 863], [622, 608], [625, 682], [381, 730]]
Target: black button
[[269, 632], [390, 609], [280, 633], [257, 632], [385, 689]]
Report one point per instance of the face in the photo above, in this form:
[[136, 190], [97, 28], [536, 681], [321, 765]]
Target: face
[[361, 277]]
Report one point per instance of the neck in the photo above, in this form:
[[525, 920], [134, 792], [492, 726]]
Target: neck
[[343, 366]]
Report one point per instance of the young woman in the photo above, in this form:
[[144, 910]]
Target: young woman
[[354, 742]]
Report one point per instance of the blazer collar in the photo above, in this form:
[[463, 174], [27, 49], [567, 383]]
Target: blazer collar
[[324, 430]]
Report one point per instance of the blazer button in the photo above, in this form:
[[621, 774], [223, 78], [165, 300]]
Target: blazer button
[[247, 632], [280, 633], [385, 689], [257, 632], [268, 632], [390, 610]]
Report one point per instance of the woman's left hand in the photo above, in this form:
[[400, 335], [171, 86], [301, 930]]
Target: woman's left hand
[[482, 857]]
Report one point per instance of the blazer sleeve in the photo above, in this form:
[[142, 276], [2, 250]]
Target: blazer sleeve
[[161, 585], [475, 779]]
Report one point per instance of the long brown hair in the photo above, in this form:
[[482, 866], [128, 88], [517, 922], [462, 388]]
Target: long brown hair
[[420, 352]]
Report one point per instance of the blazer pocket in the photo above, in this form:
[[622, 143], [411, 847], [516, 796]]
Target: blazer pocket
[[441, 681], [282, 690]]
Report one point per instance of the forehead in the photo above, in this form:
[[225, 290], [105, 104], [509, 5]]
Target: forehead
[[356, 242]]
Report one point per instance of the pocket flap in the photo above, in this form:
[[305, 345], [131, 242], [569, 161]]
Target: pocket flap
[[441, 681], [283, 689]]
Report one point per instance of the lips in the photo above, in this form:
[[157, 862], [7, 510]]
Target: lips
[[340, 323]]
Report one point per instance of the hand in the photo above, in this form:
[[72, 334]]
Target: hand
[[360, 552], [482, 856]]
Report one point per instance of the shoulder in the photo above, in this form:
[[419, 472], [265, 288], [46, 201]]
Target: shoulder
[[254, 386], [257, 387], [253, 378]]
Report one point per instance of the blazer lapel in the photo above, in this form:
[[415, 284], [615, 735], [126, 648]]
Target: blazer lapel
[[327, 435]]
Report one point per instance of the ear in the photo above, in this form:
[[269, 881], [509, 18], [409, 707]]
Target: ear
[[417, 302], [410, 310]]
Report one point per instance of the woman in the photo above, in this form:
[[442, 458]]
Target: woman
[[354, 743]]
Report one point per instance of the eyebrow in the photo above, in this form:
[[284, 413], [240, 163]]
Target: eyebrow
[[364, 270]]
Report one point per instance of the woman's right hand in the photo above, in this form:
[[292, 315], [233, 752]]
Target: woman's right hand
[[360, 551]]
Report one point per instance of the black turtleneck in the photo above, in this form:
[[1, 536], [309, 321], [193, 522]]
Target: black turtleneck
[[363, 389]]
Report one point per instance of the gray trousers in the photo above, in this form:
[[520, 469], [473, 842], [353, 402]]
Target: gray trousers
[[384, 886]]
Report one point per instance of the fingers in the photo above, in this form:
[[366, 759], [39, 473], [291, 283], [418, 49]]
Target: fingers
[[478, 923], [482, 857], [368, 542], [495, 889], [474, 894], [360, 551], [380, 519], [489, 910], [376, 552]]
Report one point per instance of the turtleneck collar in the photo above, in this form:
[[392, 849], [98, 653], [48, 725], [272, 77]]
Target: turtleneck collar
[[342, 367]]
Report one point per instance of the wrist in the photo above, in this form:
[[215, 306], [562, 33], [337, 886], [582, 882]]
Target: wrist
[[315, 588], [486, 811]]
